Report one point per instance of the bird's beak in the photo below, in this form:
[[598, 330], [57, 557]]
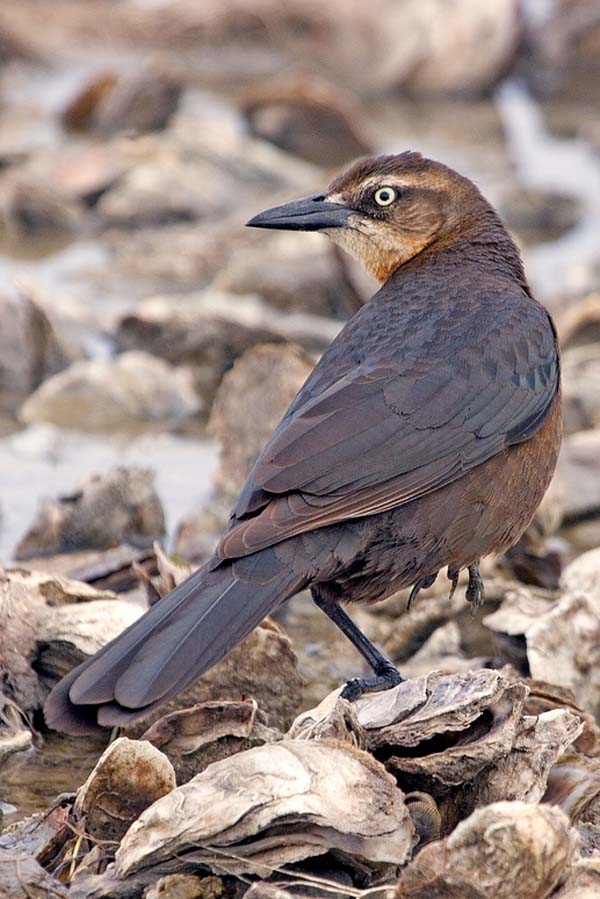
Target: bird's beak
[[309, 214]]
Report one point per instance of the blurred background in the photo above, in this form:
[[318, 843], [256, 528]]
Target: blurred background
[[137, 137]]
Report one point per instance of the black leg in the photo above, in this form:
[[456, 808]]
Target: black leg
[[475, 589], [386, 674], [422, 584]]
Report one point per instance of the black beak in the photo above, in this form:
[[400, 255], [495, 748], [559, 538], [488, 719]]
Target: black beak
[[309, 214]]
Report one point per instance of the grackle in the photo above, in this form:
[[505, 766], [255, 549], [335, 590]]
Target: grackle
[[424, 439]]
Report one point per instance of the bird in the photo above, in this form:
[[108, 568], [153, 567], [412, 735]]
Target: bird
[[424, 439]]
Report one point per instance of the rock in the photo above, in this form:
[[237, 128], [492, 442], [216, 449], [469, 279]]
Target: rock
[[116, 393], [22, 617], [562, 638], [579, 324], [56, 590], [21, 875], [104, 511], [583, 575], [73, 633], [524, 773], [442, 651], [14, 736], [129, 777], [544, 697], [161, 190], [574, 786], [472, 719], [35, 633], [80, 112], [82, 172], [136, 103], [30, 206], [198, 532], [579, 473], [562, 50], [29, 348], [433, 48], [185, 886], [173, 257], [581, 388], [210, 330], [169, 573], [31, 835], [582, 883], [115, 570], [308, 118], [538, 215], [194, 738], [304, 276], [139, 103], [505, 850], [249, 403], [274, 805]]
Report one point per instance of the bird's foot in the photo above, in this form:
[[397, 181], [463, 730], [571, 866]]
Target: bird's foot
[[452, 575], [475, 589], [386, 677], [422, 584]]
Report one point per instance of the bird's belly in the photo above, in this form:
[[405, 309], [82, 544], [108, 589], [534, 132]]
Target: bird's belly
[[483, 513]]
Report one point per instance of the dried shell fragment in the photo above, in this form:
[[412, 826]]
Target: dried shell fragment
[[21, 875], [129, 776], [332, 719], [194, 738], [583, 575], [562, 637], [544, 697], [523, 773], [271, 806], [185, 886], [583, 882], [574, 786], [506, 850], [436, 729]]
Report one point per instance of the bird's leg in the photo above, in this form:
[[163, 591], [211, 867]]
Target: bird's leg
[[422, 584], [475, 589], [386, 674]]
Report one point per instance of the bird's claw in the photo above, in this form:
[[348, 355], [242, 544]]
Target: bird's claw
[[422, 584], [385, 679], [475, 590]]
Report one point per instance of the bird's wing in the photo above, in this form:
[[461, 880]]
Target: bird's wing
[[380, 437]]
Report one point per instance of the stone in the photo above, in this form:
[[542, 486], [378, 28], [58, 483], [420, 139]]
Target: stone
[[504, 850], [104, 511], [104, 394], [29, 348], [308, 118], [129, 777], [208, 331], [248, 405], [274, 805]]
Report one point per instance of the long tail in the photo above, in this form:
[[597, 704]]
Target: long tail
[[171, 645]]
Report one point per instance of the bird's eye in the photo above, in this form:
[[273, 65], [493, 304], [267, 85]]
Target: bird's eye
[[385, 196]]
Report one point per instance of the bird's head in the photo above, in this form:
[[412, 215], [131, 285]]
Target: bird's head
[[385, 210]]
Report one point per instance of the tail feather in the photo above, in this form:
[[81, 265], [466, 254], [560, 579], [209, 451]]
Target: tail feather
[[171, 645]]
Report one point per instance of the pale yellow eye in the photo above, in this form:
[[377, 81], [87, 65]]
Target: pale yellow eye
[[384, 196]]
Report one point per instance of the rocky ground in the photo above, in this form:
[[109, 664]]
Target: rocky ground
[[150, 344]]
